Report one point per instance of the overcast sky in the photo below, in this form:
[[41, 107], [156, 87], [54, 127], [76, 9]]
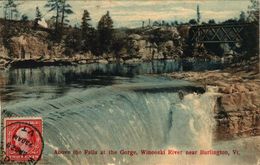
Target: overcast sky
[[130, 13]]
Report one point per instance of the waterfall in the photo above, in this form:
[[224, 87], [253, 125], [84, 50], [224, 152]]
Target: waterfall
[[110, 118], [192, 129]]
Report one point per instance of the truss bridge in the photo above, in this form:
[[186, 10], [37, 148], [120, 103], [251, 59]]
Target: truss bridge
[[217, 33]]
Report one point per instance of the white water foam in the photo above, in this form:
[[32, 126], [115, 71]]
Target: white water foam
[[111, 119]]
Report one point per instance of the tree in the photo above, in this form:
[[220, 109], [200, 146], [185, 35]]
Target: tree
[[65, 11], [242, 17], [72, 41], [253, 11], [175, 23], [193, 22], [250, 35], [163, 23], [85, 25], [38, 14], [54, 5], [87, 31], [212, 22], [156, 23], [62, 9], [119, 43], [10, 9], [230, 21], [105, 32], [24, 18]]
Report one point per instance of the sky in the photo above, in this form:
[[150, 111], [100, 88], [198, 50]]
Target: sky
[[131, 13]]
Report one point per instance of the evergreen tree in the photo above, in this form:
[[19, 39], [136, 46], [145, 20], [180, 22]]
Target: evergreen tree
[[253, 11], [242, 17], [72, 41], [85, 25], [211, 21], [105, 31], [193, 22], [163, 23], [66, 10], [24, 18], [38, 14], [62, 9], [54, 5], [10, 9], [87, 31]]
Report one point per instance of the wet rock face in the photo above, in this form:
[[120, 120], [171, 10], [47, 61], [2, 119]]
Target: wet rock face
[[237, 111], [28, 47]]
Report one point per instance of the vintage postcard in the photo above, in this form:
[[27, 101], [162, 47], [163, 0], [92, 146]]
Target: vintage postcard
[[129, 82]]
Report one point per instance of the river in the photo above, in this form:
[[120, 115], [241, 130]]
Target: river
[[119, 107]]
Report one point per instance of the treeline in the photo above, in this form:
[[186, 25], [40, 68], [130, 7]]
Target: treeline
[[105, 39], [86, 38]]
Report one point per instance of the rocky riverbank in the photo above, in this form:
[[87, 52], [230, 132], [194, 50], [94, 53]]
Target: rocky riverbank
[[23, 46], [237, 110]]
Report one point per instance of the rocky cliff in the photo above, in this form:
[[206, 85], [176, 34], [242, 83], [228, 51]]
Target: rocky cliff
[[36, 47], [155, 43], [27, 47], [237, 109]]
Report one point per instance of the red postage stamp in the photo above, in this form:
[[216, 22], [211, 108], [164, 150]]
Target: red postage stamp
[[23, 140]]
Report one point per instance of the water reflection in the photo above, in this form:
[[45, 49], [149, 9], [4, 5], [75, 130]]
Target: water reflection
[[52, 81]]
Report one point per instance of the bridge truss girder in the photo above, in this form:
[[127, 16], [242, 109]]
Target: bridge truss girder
[[216, 33]]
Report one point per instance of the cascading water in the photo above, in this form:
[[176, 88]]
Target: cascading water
[[108, 107], [112, 118], [85, 109], [192, 129]]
